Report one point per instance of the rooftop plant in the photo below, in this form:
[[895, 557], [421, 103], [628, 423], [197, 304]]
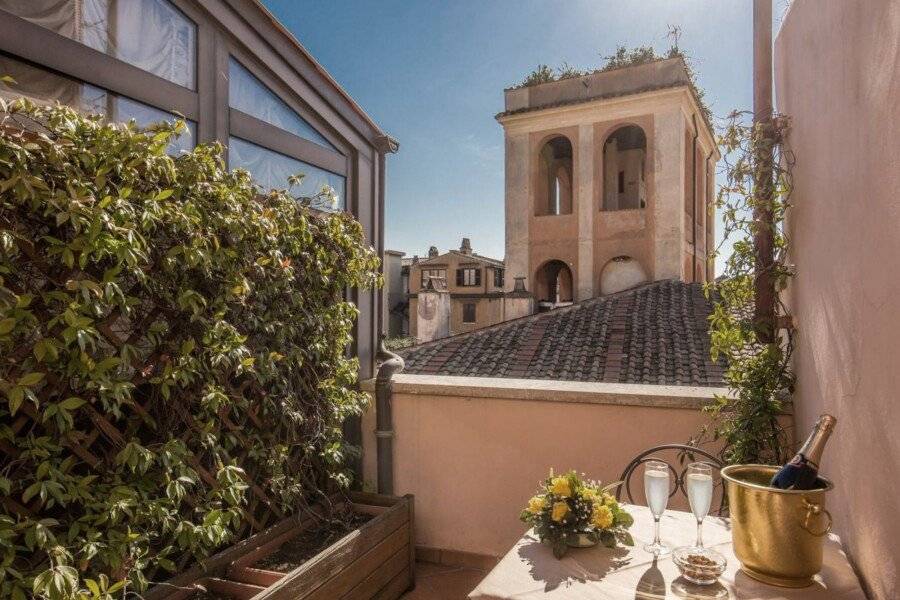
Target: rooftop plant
[[174, 367], [623, 57]]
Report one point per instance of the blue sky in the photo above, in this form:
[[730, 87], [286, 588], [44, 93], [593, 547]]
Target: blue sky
[[432, 75]]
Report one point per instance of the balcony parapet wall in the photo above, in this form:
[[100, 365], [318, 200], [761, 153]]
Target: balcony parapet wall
[[473, 449]]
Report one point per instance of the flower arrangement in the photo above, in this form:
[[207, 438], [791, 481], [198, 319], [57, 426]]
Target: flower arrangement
[[569, 510]]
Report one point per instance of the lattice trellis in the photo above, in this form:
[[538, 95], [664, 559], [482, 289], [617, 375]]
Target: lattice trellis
[[286, 401]]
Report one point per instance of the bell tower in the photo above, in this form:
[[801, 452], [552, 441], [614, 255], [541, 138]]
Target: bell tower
[[609, 178]]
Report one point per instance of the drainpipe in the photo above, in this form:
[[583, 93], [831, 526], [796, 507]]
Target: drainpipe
[[763, 179], [384, 420], [694, 197], [708, 195]]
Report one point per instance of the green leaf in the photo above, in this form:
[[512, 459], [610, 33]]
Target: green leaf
[[7, 325], [71, 403], [163, 195], [15, 395], [30, 379]]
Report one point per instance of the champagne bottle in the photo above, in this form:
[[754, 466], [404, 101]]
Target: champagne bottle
[[803, 470]]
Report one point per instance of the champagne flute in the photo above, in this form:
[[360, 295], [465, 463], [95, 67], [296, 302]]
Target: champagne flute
[[656, 489], [700, 491]]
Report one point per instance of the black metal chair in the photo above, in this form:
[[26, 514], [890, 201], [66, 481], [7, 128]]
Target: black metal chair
[[685, 455]]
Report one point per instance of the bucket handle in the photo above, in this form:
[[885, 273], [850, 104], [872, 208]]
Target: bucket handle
[[813, 509]]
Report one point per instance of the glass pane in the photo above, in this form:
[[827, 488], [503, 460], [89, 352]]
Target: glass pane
[[271, 169], [125, 109], [247, 94], [152, 35], [44, 87]]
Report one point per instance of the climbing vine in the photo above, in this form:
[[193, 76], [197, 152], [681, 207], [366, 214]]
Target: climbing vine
[[174, 368], [759, 374]]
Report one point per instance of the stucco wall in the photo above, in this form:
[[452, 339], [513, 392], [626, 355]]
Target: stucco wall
[[473, 450], [838, 78]]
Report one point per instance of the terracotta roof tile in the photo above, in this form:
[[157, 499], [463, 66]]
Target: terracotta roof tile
[[655, 334]]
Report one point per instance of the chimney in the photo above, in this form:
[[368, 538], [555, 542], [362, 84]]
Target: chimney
[[432, 252], [466, 246]]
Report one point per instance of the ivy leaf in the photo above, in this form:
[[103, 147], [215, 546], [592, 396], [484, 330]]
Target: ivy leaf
[[7, 325], [31, 379], [57, 583], [71, 403], [15, 395]]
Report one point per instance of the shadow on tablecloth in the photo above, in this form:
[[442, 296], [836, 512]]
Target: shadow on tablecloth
[[554, 573]]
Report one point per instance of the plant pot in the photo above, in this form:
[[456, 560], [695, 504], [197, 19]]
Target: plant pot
[[376, 559], [580, 540], [777, 534]]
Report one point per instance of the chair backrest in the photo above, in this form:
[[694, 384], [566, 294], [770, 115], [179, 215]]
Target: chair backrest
[[684, 454]]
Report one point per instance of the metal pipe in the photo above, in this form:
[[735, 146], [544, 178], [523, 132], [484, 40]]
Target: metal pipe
[[694, 198], [384, 419], [764, 185]]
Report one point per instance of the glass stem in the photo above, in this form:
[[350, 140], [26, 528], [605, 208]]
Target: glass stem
[[656, 540], [699, 533]]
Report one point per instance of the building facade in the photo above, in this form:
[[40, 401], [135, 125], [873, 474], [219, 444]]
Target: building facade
[[233, 72], [395, 309], [609, 179], [457, 292]]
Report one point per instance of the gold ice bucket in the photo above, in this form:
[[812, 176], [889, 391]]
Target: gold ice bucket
[[777, 534]]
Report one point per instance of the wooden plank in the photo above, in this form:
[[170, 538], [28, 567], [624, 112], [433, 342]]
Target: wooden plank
[[380, 577], [396, 587], [411, 503], [371, 562], [300, 582], [373, 498], [231, 589], [369, 509]]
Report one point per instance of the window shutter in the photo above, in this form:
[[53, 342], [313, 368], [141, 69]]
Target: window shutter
[[459, 277], [477, 276]]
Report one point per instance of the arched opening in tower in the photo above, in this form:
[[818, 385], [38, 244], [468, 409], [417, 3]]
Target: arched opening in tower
[[624, 167], [554, 191], [553, 283]]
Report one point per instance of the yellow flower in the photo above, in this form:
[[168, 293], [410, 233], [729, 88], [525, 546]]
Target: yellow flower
[[537, 504], [602, 517], [589, 494], [560, 486], [560, 510], [609, 500]]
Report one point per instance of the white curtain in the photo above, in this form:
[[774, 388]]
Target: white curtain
[[55, 15], [40, 86], [150, 34], [247, 94]]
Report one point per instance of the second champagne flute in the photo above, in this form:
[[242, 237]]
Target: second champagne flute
[[699, 484], [656, 489]]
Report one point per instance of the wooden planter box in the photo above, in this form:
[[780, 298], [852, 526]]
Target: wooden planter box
[[376, 560]]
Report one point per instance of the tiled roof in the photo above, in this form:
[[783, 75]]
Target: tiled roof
[[472, 257], [656, 333]]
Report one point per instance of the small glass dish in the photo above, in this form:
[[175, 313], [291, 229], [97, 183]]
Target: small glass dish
[[699, 565]]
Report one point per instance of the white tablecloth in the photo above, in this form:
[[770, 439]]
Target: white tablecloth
[[529, 570]]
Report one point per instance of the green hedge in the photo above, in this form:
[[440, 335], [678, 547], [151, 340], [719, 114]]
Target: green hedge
[[174, 351]]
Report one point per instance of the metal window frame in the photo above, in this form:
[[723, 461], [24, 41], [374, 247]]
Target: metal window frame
[[206, 105]]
